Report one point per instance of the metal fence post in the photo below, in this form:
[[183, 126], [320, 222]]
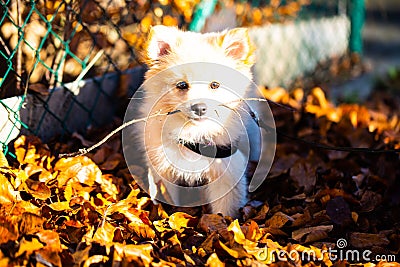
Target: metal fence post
[[357, 18], [203, 10]]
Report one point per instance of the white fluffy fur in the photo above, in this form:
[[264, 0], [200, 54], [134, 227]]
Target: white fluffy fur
[[169, 49]]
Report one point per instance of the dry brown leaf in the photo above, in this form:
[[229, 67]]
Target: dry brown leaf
[[44, 175], [141, 225], [82, 253], [30, 223], [303, 174], [303, 219], [316, 235], [339, 211], [278, 220], [214, 222], [298, 235], [51, 239], [101, 154], [364, 240], [112, 162], [282, 164], [47, 257], [207, 245], [8, 229], [38, 189], [370, 200]]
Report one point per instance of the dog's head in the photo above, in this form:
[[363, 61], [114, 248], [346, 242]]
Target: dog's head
[[202, 75]]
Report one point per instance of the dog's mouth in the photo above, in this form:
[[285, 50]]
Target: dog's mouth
[[210, 149], [198, 119]]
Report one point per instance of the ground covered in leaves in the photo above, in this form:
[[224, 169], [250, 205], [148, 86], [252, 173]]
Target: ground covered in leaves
[[88, 210]]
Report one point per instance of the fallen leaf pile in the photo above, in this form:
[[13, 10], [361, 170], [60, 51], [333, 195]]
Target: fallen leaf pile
[[88, 210]]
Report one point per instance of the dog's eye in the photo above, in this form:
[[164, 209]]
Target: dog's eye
[[182, 85], [214, 85]]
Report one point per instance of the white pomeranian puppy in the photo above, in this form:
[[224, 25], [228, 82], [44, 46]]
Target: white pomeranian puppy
[[204, 151]]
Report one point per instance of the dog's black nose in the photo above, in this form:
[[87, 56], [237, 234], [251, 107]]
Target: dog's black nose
[[199, 109]]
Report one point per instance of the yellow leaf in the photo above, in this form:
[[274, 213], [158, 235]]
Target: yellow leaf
[[253, 232], [134, 253], [80, 169], [237, 232], [28, 246], [20, 178], [141, 228], [237, 252], [68, 192], [180, 220], [105, 233], [214, 261], [3, 160], [239, 237], [7, 192], [108, 186], [130, 201], [95, 259], [29, 149], [60, 206]]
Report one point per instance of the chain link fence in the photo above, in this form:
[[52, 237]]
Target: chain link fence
[[50, 48]]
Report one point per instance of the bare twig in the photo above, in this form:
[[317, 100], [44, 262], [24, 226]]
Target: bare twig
[[84, 151], [75, 84], [3, 44], [19, 51], [260, 100]]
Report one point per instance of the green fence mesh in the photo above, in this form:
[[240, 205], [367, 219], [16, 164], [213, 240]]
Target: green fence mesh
[[49, 47]]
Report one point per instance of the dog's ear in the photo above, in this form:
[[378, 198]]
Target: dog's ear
[[161, 39], [237, 44]]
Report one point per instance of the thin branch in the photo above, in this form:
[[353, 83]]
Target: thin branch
[[3, 44], [260, 100], [84, 151], [75, 83], [19, 51]]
